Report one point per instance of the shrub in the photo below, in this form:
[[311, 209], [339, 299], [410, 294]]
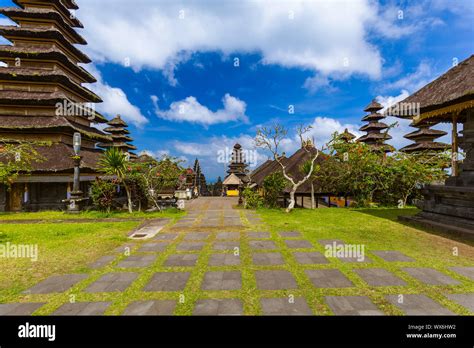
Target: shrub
[[103, 194], [252, 199], [273, 186]]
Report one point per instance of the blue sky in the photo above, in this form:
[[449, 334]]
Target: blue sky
[[169, 67]]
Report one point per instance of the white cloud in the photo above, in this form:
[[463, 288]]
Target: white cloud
[[324, 127], [115, 101], [320, 36], [388, 101], [190, 110], [414, 81]]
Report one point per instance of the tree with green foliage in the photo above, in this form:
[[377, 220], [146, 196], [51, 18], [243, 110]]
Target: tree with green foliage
[[273, 185], [17, 158], [115, 162], [157, 175], [270, 138], [252, 199], [103, 193]]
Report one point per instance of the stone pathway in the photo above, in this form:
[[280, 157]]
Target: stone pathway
[[223, 260]]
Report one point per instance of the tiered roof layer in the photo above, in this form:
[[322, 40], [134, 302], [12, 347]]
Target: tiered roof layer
[[375, 136]]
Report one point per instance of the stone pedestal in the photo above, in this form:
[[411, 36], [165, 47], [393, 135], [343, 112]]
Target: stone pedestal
[[450, 207]]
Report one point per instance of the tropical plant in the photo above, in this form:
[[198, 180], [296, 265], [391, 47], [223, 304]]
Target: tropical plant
[[156, 175], [273, 185], [114, 162], [252, 199], [103, 193]]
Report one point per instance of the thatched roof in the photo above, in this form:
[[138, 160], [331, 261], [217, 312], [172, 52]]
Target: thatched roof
[[425, 146], [58, 4], [47, 123], [69, 4], [117, 121], [451, 92], [374, 106], [39, 75], [16, 14], [31, 52], [43, 33], [232, 179], [269, 167], [295, 163], [347, 136], [57, 158]]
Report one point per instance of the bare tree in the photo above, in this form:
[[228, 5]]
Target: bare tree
[[270, 138]]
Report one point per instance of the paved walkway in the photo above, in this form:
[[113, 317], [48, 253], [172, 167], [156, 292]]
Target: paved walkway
[[222, 261]]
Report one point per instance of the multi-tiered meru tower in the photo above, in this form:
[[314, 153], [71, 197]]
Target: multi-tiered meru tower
[[117, 128], [42, 98], [376, 131]]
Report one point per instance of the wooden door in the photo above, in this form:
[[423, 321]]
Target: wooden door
[[16, 196]]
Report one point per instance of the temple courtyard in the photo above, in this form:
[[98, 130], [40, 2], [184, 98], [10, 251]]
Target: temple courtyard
[[218, 260]]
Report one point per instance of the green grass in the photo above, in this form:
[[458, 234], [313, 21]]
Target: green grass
[[62, 248], [68, 248], [59, 215]]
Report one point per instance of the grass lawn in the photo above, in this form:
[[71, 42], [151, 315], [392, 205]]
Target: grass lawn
[[59, 215], [69, 248]]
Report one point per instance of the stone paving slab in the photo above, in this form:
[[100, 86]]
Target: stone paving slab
[[275, 280], [103, 261], [430, 276], [233, 222], [181, 260], [197, 236], [310, 258], [210, 223], [355, 259], [328, 278], [352, 305], [392, 256], [267, 259], [283, 306], [127, 247], [226, 245], [157, 307], [190, 246], [259, 235], [112, 282], [20, 308], [167, 281], [289, 234], [262, 245], [166, 236], [224, 260], [153, 247], [228, 235], [137, 261], [58, 283], [418, 305], [298, 244], [222, 280], [83, 308], [467, 272], [465, 300], [228, 306], [379, 277]]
